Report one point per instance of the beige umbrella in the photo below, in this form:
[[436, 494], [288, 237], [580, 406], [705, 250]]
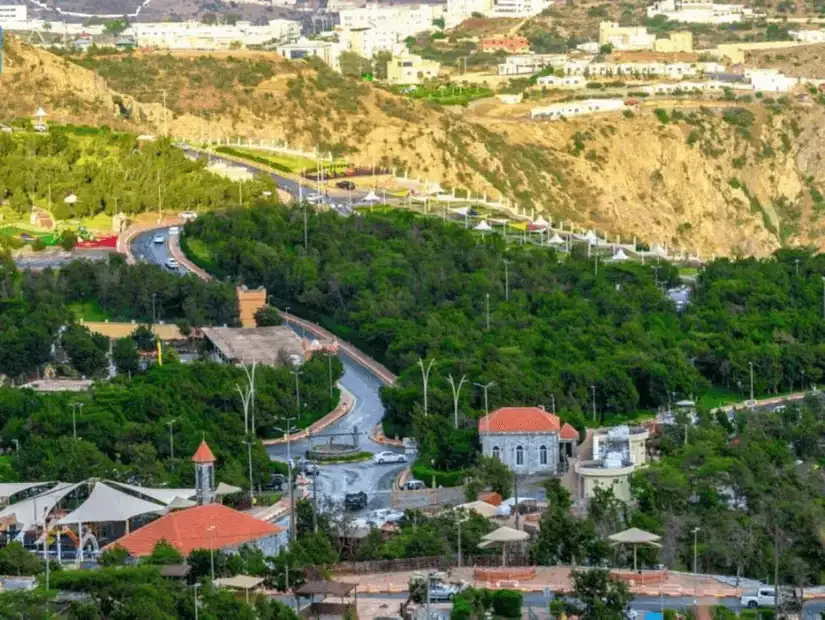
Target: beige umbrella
[[483, 508], [634, 536], [503, 536]]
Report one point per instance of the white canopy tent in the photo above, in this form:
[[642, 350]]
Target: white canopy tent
[[446, 198], [556, 240], [483, 508], [179, 503], [371, 197], [619, 256], [226, 489], [635, 537], [33, 510], [7, 489], [106, 503], [164, 496], [503, 536], [483, 226], [462, 211], [541, 222]]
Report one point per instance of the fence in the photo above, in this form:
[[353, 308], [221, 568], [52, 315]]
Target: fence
[[441, 562]]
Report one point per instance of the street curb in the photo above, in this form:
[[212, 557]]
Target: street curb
[[377, 435], [178, 254], [345, 405]]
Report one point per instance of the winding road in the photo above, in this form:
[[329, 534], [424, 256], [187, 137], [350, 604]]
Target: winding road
[[334, 481]]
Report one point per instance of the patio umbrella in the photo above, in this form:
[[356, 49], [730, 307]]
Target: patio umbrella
[[503, 536], [634, 536]]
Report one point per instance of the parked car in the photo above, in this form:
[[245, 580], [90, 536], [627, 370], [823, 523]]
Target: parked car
[[172, 264], [276, 483], [440, 591], [388, 457], [414, 485], [355, 501], [308, 468], [763, 597], [345, 185], [379, 517], [174, 230], [159, 238]]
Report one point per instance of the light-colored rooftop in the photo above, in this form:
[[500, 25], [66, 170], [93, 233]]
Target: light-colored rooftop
[[58, 385], [265, 345]]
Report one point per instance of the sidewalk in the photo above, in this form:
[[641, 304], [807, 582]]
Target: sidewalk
[[556, 578], [344, 406]]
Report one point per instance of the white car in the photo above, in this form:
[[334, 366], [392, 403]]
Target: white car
[[172, 264], [379, 517], [388, 457], [763, 597], [174, 230], [159, 238]]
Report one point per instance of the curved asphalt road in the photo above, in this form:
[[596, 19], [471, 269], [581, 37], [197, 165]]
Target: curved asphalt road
[[334, 481]]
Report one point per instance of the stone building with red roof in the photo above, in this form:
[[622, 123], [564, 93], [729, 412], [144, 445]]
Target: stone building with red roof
[[529, 440]]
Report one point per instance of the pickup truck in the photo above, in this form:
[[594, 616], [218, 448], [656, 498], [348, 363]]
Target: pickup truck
[[763, 597]]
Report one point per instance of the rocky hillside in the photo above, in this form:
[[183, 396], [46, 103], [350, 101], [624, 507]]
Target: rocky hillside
[[729, 177]]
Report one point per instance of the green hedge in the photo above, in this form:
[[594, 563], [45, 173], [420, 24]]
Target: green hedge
[[425, 473], [227, 150], [507, 603]]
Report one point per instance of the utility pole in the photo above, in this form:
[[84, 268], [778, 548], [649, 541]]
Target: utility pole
[[796, 262], [695, 535], [329, 364], [506, 280], [425, 378], [488, 311], [154, 315], [306, 237], [170, 424], [74, 407], [297, 373], [165, 125], [596, 266], [485, 387], [456, 395], [288, 428], [750, 367], [553, 400], [593, 388], [251, 487]]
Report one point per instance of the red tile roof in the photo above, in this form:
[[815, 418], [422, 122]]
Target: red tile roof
[[520, 420], [203, 454], [569, 432], [190, 529]]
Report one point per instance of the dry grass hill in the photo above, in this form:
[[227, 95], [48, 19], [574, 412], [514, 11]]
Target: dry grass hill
[[726, 177]]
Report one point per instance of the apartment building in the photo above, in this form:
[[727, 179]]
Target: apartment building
[[13, 13], [404, 20], [411, 69], [806, 36], [367, 42], [195, 35], [674, 70], [569, 109], [459, 10], [771, 80], [676, 42], [668, 88], [701, 11], [625, 38], [617, 453]]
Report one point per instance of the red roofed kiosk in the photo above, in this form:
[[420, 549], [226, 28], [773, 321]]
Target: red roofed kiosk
[[529, 440]]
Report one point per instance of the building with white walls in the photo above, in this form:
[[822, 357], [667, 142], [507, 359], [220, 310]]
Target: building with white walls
[[668, 88], [195, 35], [568, 109], [528, 64], [625, 38], [808, 36], [404, 19], [367, 42], [327, 51], [13, 13], [701, 11], [567, 82], [459, 10], [673, 70], [617, 453], [770, 80]]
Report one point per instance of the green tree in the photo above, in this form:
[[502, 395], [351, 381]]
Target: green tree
[[163, 553], [86, 353], [125, 356], [353, 65], [267, 316], [17, 560], [598, 595]]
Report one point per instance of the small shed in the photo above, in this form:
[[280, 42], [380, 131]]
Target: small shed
[[325, 589], [240, 582]]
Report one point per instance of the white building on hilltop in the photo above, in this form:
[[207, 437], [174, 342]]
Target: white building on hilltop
[[195, 35], [13, 13], [403, 20], [771, 80], [459, 10], [700, 11], [617, 453], [808, 36]]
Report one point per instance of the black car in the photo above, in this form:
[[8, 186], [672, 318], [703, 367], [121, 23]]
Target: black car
[[345, 185], [355, 501], [276, 483]]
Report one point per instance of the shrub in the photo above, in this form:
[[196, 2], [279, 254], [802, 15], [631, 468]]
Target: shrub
[[507, 603], [462, 610], [38, 245], [425, 473], [662, 116]]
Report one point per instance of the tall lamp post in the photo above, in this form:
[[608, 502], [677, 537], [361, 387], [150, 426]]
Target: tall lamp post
[[74, 407], [456, 395], [593, 388], [286, 430], [251, 487], [170, 424], [486, 387], [695, 540], [506, 280], [297, 373], [750, 368], [425, 378], [211, 530]]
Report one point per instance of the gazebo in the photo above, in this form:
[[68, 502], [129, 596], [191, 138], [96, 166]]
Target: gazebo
[[503, 536], [239, 582], [371, 197], [311, 589], [635, 537]]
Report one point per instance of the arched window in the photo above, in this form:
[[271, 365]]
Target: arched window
[[519, 455], [496, 452], [543, 455]]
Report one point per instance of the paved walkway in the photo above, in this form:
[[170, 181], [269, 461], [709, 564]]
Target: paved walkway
[[556, 578]]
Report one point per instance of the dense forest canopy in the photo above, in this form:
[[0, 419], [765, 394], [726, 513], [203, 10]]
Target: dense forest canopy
[[406, 287], [122, 428], [111, 173]]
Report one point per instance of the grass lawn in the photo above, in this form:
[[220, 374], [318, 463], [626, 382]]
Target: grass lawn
[[197, 251], [719, 397], [279, 161], [88, 311], [689, 272]]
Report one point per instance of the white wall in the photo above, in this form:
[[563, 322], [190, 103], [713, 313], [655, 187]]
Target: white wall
[[13, 13]]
